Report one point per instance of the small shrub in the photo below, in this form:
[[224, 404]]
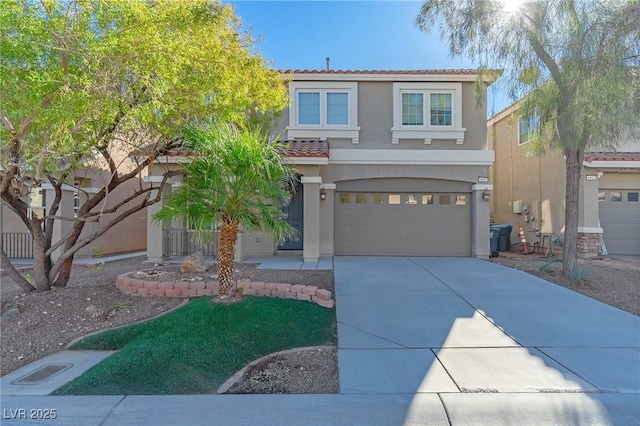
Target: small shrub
[[546, 268], [98, 253], [579, 275], [118, 306]]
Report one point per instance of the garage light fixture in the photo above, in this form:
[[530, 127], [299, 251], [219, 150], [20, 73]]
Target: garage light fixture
[[323, 195], [486, 195]]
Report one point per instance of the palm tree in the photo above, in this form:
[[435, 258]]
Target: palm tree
[[237, 179]]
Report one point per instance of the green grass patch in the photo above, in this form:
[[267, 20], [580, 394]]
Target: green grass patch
[[196, 348]]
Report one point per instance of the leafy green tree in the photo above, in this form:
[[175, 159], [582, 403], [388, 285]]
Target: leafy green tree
[[575, 60], [86, 82], [237, 179]]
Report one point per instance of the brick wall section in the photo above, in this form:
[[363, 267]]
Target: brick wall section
[[589, 245], [144, 288]]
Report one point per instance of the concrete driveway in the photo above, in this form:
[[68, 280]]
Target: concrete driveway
[[470, 330], [422, 341]]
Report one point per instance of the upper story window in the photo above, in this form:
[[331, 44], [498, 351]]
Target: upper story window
[[334, 104], [528, 128], [337, 108], [439, 109], [308, 108], [412, 109], [321, 110], [427, 111]]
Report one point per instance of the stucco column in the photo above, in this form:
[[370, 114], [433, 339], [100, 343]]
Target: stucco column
[[156, 247], [480, 211], [311, 218], [589, 230], [326, 218]]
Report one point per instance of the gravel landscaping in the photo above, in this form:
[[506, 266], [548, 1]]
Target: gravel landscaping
[[37, 324], [607, 279]]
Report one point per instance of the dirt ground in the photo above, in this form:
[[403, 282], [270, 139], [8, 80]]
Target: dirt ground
[[615, 282], [37, 324]]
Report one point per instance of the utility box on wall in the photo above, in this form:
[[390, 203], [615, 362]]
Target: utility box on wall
[[517, 206]]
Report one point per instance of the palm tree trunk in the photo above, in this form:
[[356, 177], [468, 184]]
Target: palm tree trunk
[[226, 255]]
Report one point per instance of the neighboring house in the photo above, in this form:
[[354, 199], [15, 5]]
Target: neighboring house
[[529, 190], [129, 235], [390, 162]]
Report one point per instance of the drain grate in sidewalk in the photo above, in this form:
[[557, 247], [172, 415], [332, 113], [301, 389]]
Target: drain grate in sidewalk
[[42, 374]]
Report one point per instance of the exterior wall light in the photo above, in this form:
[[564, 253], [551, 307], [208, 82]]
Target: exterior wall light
[[486, 195], [323, 195]]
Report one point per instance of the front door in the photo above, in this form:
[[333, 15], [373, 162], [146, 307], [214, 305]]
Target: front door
[[294, 213]]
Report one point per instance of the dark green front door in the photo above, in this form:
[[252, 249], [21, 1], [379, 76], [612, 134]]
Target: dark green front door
[[294, 213]]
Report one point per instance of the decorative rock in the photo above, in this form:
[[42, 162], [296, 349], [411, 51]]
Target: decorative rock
[[283, 287], [194, 263], [325, 303], [258, 285], [198, 286], [297, 288], [323, 294], [310, 290]]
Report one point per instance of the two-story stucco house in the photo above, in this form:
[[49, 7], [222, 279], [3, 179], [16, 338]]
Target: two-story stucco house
[[390, 163], [529, 190]]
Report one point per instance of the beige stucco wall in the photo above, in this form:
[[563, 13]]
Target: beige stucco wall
[[517, 174], [540, 182], [10, 221], [129, 234], [344, 172], [375, 120], [474, 118], [619, 179]]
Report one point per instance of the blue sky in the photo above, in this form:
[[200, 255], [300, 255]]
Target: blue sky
[[354, 34]]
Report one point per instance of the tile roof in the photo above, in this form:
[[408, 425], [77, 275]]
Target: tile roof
[[311, 148], [307, 148], [409, 72], [612, 156]]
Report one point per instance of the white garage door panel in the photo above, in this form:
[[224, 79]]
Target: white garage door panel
[[620, 221], [406, 229]]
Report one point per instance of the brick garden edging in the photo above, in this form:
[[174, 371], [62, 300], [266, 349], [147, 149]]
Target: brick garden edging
[[146, 288]]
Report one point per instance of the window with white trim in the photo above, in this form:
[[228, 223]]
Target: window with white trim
[[337, 108], [412, 109], [528, 128], [427, 111], [440, 109], [308, 108], [321, 110]]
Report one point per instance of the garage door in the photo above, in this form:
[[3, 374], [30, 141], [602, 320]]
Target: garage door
[[620, 221], [402, 224]]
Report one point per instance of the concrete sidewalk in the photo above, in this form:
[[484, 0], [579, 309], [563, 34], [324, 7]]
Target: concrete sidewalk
[[424, 341]]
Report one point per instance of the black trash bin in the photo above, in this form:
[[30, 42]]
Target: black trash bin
[[494, 237], [504, 243]]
